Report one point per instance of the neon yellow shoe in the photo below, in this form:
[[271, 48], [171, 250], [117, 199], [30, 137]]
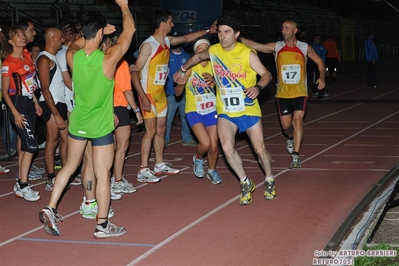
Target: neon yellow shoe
[[270, 190], [247, 187]]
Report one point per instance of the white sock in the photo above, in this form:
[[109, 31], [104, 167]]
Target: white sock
[[159, 164], [269, 178]]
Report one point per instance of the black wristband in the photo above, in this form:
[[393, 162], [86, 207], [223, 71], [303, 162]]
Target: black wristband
[[259, 87]]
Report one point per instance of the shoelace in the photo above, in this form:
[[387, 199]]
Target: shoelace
[[59, 217], [198, 161], [167, 164], [30, 190], [148, 172]]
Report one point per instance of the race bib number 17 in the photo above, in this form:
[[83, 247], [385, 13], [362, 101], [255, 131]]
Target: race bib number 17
[[291, 74], [161, 75]]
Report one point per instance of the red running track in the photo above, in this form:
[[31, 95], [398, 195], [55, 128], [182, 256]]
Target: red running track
[[351, 141]]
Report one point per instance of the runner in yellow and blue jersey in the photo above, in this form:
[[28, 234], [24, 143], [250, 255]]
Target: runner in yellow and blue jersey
[[235, 68], [201, 114]]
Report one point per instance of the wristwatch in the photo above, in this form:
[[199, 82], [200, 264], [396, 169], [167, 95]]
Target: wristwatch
[[136, 110], [207, 30], [259, 87]]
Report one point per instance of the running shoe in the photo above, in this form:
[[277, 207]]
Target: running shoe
[[214, 177], [42, 146], [247, 187], [37, 170], [147, 176], [26, 193], [77, 181], [115, 196], [31, 176], [122, 186], [49, 185], [324, 94], [110, 231], [34, 175], [49, 220], [270, 190], [165, 169], [191, 143], [296, 162], [289, 145], [198, 167], [4, 170], [90, 210], [57, 164]]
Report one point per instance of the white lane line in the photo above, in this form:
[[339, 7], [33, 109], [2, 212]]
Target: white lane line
[[191, 225]]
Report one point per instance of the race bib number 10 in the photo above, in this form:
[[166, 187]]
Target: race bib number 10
[[206, 103], [291, 73], [233, 100], [161, 74]]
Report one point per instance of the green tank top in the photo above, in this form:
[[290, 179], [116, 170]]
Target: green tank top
[[93, 115]]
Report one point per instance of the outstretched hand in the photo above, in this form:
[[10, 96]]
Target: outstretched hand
[[121, 2], [178, 77], [108, 29], [213, 27]]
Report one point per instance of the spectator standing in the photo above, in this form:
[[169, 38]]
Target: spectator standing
[[177, 57], [321, 52], [371, 54], [34, 51], [332, 58]]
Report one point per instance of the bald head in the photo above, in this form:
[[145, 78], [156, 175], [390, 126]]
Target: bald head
[[50, 32], [288, 30], [291, 23], [54, 39]]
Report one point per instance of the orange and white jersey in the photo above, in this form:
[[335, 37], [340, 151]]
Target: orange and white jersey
[[291, 70], [155, 71]]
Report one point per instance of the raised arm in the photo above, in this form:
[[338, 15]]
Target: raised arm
[[116, 52], [178, 77], [260, 47], [72, 49], [175, 40]]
